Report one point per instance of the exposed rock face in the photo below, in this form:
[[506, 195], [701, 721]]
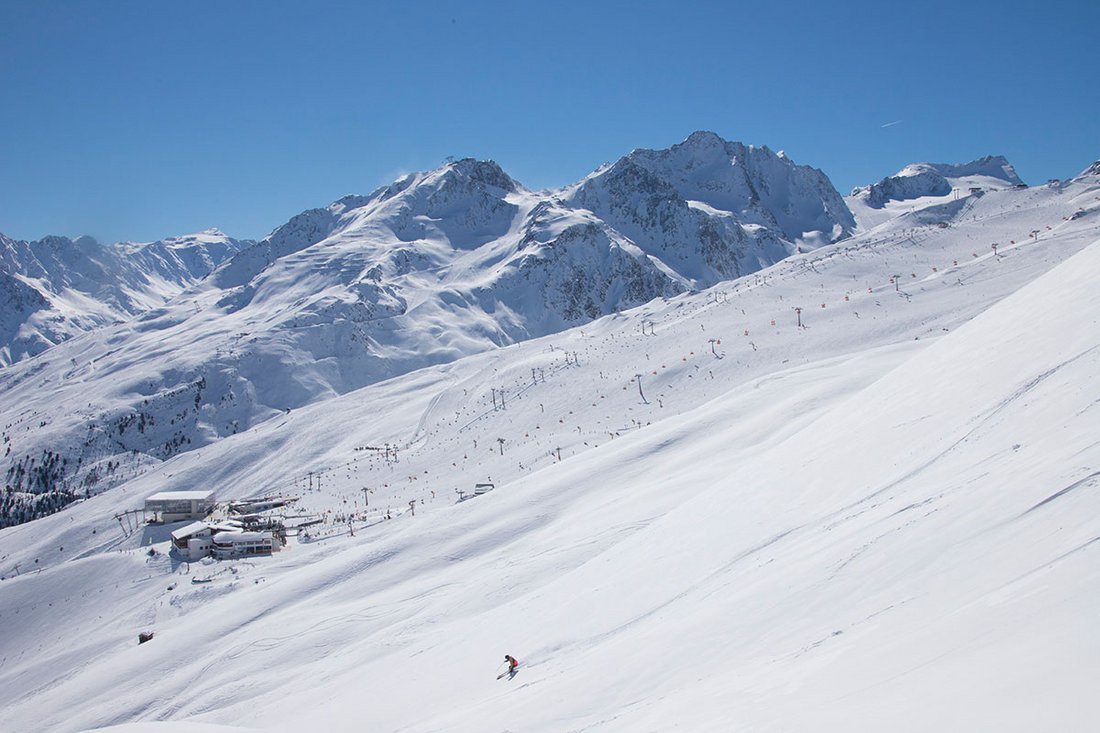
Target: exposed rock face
[[713, 209]]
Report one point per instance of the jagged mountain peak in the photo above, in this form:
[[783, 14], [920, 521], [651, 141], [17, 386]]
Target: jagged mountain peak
[[465, 170], [702, 146], [463, 180], [704, 138], [747, 184], [707, 143], [486, 172], [408, 208], [58, 243]]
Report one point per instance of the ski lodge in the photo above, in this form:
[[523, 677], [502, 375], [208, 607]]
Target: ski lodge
[[175, 506], [224, 541], [193, 541], [229, 545]]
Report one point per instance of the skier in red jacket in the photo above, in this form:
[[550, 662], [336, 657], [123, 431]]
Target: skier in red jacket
[[512, 664]]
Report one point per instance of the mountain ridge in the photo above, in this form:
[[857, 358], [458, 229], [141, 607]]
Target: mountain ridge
[[80, 285], [424, 271]]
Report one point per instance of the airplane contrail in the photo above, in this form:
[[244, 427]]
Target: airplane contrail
[[891, 124]]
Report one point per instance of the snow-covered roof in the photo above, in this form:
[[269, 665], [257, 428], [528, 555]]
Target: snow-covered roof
[[180, 496], [188, 530], [225, 538]]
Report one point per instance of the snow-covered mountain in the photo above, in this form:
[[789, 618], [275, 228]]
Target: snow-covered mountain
[[938, 179], [55, 288], [713, 209], [436, 266], [852, 491], [918, 184]]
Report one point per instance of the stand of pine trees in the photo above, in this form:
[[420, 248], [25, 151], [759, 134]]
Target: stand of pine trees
[[34, 488]]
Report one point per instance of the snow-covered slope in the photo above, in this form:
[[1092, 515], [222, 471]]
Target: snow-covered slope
[[712, 512], [431, 268], [56, 288]]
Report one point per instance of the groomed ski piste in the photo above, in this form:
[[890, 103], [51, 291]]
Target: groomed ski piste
[[711, 513]]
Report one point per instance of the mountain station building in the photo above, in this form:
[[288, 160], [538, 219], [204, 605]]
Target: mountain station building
[[175, 506]]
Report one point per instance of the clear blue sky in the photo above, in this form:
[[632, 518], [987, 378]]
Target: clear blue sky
[[139, 120]]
